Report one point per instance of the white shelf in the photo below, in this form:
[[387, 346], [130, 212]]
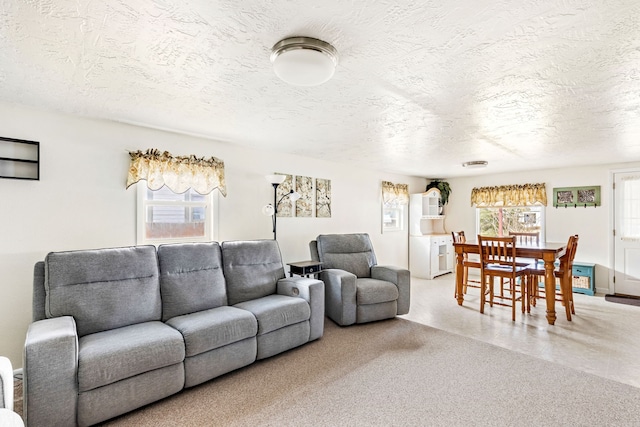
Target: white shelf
[[19, 159], [424, 214], [430, 247]]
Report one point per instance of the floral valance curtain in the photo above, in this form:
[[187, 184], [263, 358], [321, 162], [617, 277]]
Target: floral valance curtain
[[509, 195], [394, 195], [178, 173]]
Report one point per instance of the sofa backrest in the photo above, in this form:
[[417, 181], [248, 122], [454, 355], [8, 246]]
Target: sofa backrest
[[191, 278], [313, 249], [39, 295], [349, 252], [252, 269], [103, 289]]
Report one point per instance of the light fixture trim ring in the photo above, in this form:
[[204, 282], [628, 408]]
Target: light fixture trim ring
[[300, 42]]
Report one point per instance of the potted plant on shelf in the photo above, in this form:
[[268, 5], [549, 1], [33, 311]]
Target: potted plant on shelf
[[443, 187]]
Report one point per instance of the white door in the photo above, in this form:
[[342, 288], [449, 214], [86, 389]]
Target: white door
[[627, 233]]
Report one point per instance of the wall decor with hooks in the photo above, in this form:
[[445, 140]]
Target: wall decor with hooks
[[576, 197], [19, 159]]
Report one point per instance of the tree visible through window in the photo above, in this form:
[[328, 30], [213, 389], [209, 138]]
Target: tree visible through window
[[500, 221]]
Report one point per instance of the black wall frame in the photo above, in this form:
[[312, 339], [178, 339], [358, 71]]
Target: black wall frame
[[19, 159]]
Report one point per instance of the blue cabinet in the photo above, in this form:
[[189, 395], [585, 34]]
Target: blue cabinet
[[584, 278]]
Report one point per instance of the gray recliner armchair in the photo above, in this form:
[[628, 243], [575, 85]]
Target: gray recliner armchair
[[357, 290]]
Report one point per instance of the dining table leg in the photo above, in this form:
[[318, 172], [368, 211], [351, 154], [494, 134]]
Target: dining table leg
[[550, 288], [459, 275]]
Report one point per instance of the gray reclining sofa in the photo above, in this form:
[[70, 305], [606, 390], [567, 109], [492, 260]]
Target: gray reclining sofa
[[116, 329]]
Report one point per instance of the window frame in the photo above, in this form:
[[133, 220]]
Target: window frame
[[210, 205]]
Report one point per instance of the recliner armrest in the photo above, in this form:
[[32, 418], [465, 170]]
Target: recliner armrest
[[340, 295], [389, 273], [50, 372], [312, 291], [401, 277]]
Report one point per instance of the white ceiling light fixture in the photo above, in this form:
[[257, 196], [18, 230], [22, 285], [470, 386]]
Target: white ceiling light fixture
[[304, 61], [476, 164]]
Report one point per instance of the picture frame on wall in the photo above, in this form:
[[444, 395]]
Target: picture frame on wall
[[304, 205], [285, 207], [574, 197], [323, 198]]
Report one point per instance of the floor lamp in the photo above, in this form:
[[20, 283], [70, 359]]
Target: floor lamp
[[272, 210]]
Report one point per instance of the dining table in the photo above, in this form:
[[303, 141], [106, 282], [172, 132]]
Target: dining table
[[548, 252]]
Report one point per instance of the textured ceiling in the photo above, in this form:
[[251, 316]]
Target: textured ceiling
[[420, 87]]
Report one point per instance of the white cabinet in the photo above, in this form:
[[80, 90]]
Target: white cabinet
[[424, 214], [430, 255], [430, 247], [431, 203]]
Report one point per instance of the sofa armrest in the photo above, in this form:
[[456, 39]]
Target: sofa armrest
[[340, 295], [50, 372], [312, 291], [401, 277]]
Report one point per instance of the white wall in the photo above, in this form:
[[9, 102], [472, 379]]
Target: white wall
[[593, 225], [80, 201]]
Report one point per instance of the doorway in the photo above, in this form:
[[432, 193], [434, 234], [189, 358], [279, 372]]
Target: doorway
[[626, 275]]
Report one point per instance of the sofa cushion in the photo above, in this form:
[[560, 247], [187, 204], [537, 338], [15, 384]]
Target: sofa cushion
[[349, 252], [110, 356], [374, 291], [103, 289], [191, 278], [217, 327], [277, 311], [251, 269]]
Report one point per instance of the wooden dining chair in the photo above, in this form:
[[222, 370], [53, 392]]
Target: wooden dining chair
[[526, 238], [529, 238], [498, 259], [459, 237], [563, 274]]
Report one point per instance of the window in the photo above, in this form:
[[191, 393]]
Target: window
[[630, 208], [392, 218], [394, 198], [499, 221], [168, 217]]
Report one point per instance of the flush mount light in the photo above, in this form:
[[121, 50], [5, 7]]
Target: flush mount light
[[476, 164], [304, 61]]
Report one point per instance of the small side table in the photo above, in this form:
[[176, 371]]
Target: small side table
[[304, 268], [584, 278]]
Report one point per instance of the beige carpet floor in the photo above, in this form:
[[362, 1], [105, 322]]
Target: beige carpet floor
[[397, 373]]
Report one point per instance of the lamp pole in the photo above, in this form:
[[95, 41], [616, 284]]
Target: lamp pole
[[275, 181], [290, 194], [275, 207]]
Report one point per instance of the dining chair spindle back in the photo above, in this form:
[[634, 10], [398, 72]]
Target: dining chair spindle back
[[498, 259], [526, 238], [459, 237], [564, 274]]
